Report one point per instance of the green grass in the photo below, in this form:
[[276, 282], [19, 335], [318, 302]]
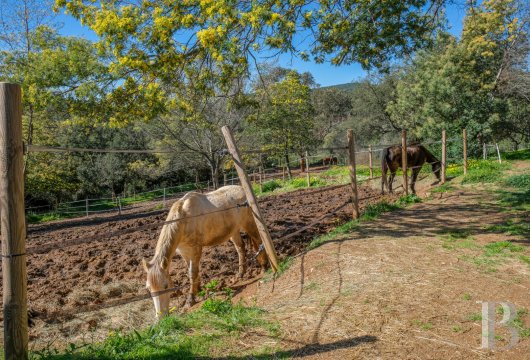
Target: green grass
[[518, 323], [518, 181], [214, 329], [501, 248], [458, 239], [475, 317], [443, 188], [484, 171], [42, 218], [511, 227], [514, 200]]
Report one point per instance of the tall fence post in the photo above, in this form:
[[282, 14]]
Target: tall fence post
[[444, 156], [260, 177], [308, 176], [251, 198], [498, 152], [484, 151], [370, 161], [86, 206], [13, 223], [353, 173], [119, 205], [404, 160], [464, 139]]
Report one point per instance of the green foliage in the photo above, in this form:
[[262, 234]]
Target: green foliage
[[518, 155], [518, 181], [271, 185], [212, 43]]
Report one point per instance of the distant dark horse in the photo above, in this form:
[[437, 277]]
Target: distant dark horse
[[417, 155]]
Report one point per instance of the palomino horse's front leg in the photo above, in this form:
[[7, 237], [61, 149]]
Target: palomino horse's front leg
[[194, 276], [240, 248]]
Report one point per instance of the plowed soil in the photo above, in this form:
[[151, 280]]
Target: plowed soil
[[109, 268]]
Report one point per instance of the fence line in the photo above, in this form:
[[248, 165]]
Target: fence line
[[119, 302]]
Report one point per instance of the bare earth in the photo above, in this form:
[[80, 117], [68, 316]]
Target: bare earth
[[393, 290]]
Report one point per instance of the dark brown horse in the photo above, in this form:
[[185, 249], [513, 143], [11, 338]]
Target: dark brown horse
[[417, 155]]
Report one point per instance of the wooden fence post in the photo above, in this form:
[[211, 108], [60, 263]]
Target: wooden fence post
[[464, 139], [13, 223], [498, 152], [164, 198], [484, 151], [444, 156], [307, 169], [353, 174], [283, 173], [370, 161], [251, 198], [119, 205], [260, 179], [404, 160], [86, 206], [224, 179]]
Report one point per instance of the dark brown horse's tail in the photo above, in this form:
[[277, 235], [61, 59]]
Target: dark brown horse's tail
[[384, 169]]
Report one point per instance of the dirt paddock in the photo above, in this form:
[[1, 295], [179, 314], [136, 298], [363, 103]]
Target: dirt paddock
[[109, 268]]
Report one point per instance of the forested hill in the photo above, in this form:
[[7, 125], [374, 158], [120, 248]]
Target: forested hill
[[347, 87]]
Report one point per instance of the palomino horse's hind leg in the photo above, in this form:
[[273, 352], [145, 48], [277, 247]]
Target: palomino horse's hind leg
[[240, 248]]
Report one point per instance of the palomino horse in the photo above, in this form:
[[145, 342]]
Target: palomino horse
[[417, 155], [199, 220]]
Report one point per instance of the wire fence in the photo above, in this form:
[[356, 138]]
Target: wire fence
[[78, 206]]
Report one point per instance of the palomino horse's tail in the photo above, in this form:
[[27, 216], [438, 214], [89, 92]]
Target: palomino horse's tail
[[384, 169]]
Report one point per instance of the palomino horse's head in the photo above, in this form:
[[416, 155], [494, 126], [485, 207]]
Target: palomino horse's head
[[158, 279], [436, 168]]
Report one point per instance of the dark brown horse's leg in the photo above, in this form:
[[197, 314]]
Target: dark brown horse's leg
[[390, 181], [415, 173]]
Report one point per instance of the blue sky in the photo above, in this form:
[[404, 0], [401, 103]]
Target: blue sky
[[324, 74]]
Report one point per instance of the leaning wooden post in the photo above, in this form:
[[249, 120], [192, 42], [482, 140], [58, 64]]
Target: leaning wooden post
[[307, 169], [13, 224], [464, 139], [353, 174], [251, 198], [444, 156], [404, 160], [370, 161]]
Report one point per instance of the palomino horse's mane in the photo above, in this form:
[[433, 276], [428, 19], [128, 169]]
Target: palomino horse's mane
[[164, 247]]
